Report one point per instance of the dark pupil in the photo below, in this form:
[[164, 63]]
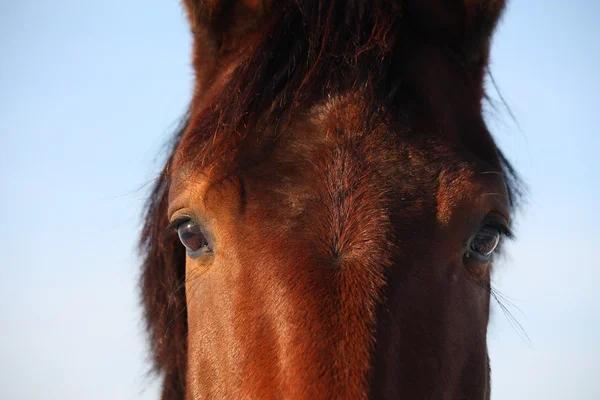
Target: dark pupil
[[486, 240], [191, 236]]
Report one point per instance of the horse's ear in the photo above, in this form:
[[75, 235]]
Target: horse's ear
[[201, 12], [463, 25], [221, 29], [454, 20]]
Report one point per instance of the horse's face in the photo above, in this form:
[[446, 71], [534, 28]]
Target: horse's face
[[346, 255]]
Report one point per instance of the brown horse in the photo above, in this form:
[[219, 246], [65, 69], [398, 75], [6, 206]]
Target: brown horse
[[325, 224]]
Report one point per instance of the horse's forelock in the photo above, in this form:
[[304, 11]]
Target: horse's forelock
[[303, 51]]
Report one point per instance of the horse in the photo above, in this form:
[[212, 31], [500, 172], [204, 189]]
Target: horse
[[326, 220]]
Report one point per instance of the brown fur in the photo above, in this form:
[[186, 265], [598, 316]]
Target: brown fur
[[337, 154]]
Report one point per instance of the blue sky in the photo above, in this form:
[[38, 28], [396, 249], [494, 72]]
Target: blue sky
[[89, 92]]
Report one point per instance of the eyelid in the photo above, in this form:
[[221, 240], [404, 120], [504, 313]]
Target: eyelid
[[500, 223], [176, 220]]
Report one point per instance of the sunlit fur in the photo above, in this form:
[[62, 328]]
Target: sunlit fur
[[337, 153]]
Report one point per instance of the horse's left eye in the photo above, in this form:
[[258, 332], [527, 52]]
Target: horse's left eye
[[192, 238], [485, 242]]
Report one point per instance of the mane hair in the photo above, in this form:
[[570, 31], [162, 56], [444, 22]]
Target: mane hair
[[162, 285], [305, 50]]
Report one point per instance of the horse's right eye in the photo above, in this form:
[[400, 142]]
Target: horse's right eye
[[485, 242], [192, 238]]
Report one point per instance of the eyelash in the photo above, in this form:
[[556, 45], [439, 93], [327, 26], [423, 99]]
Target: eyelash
[[171, 228], [501, 226]]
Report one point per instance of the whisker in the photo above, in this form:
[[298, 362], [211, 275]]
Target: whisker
[[506, 305], [517, 326], [184, 282], [171, 295]]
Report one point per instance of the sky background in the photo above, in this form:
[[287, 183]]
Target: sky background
[[90, 91]]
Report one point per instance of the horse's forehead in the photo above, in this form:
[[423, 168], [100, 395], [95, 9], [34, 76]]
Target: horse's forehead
[[348, 126], [340, 145]]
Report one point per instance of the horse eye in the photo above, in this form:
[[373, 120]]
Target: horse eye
[[192, 238], [485, 242]]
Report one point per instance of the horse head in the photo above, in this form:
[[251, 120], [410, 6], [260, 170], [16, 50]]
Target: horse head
[[326, 222]]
